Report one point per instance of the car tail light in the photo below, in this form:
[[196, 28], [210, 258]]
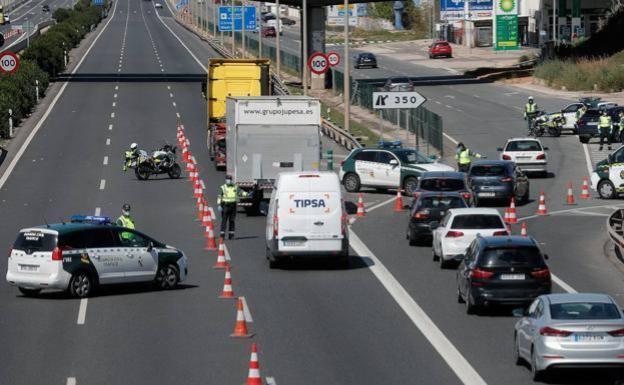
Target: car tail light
[[421, 214], [541, 274], [481, 274], [454, 234], [467, 195], [506, 157], [552, 332], [541, 157], [275, 226], [57, 254], [617, 333], [500, 233], [506, 179]]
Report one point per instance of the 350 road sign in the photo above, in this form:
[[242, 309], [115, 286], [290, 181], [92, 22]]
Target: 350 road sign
[[318, 63], [9, 62], [388, 100]]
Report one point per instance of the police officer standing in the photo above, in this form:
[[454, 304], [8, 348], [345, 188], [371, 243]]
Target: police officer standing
[[463, 155], [227, 201], [606, 127], [530, 111], [125, 220], [617, 133]]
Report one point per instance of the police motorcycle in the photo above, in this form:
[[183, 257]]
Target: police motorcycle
[[161, 161], [547, 123]]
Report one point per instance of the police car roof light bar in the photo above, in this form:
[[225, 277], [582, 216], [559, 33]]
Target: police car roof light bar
[[90, 219], [388, 144]]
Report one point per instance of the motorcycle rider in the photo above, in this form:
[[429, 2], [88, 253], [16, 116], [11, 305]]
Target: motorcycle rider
[[130, 155], [463, 154], [530, 111], [125, 220], [227, 201], [606, 128]]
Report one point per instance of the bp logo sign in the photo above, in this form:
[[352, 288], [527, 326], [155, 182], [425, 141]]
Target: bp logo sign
[[507, 6]]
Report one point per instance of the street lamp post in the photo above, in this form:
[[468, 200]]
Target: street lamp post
[[233, 34], [278, 23], [304, 66], [347, 83]]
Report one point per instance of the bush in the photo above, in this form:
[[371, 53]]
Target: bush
[[607, 74]]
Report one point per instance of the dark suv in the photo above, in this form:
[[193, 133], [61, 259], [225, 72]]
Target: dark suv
[[365, 59], [444, 181], [427, 208], [498, 180], [502, 270], [587, 125]]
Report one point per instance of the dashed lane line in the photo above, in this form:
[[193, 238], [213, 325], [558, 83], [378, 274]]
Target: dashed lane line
[[114, 104], [98, 211], [271, 381], [378, 205], [71, 381], [112, 115], [102, 184], [82, 311], [614, 207], [178, 115], [108, 141], [110, 127], [105, 162]]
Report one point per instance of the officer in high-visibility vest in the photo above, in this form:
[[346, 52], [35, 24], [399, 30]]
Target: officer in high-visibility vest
[[530, 111], [125, 220], [130, 155], [617, 133], [606, 127], [227, 201], [580, 112], [463, 155]]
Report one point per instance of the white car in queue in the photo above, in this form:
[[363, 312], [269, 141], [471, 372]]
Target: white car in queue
[[307, 218], [527, 153], [459, 227]]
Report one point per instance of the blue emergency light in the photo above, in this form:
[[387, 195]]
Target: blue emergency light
[[97, 220], [390, 144]]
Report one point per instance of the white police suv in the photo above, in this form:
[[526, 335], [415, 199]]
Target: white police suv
[[88, 251]]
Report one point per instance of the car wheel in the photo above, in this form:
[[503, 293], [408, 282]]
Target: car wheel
[[435, 256], [274, 262], [516, 352], [460, 299], [351, 182], [175, 171], [471, 308], [584, 139], [411, 236], [606, 190], [167, 277], [29, 292], [538, 375], [80, 285], [444, 264], [409, 186]]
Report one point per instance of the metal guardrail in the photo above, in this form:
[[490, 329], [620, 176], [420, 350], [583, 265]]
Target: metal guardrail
[[339, 135], [615, 228], [22, 44]]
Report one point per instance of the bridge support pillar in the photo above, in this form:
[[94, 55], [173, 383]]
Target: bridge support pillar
[[316, 41]]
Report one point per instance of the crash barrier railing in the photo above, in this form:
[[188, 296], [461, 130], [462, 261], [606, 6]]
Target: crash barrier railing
[[339, 135], [615, 228], [23, 43], [426, 125]]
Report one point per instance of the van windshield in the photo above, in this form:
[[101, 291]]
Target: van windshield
[[33, 241]]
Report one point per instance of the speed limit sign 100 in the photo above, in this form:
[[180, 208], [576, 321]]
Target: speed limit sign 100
[[318, 63], [9, 62]]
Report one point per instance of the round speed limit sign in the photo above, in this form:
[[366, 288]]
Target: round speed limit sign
[[333, 58], [9, 62], [318, 63]]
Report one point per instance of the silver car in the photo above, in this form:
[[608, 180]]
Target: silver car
[[570, 330]]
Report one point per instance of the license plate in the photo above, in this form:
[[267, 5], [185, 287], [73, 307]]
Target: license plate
[[28, 267], [592, 123], [293, 243], [588, 338], [486, 194], [512, 277], [524, 157]]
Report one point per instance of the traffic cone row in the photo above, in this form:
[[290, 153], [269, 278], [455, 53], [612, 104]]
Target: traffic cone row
[[206, 216]]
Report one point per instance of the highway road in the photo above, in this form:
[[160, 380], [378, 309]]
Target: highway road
[[390, 318]]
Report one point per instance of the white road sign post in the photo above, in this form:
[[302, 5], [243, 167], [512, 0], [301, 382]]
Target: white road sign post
[[397, 100]]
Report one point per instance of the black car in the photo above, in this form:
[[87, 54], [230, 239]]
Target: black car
[[266, 16], [498, 180], [365, 59], [587, 125], [287, 21], [444, 181], [45, 8], [507, 270], [430, 207]]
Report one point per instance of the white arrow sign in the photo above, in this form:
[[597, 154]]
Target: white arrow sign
[[389, 100]]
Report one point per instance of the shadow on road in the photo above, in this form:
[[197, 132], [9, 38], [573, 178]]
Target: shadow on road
[[325, 264]]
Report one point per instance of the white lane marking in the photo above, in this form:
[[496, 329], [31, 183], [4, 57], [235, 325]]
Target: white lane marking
[[178, 38], [168, 87], [476, 96], [447, 106], [588, 161], [378, 205], [437, 102], [112, 115], [108, 141], [178, 115], [37, 127], [449, 96], [116, 87], [97, 211], [562, 284], [570, 210], [447, 136], [511, 93], [71, 381], [105, 162], [110, 127], [246, 311], [82, 311], [174, 104], [115, 96], [517, 108], [170, 95], [114, 104], [454, 359], [588, 213], [102, 184], [271, 381]]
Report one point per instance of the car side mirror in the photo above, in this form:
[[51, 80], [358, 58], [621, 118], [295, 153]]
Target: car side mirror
[[546, 256], [519, 312], [150, 246], [434, 225], [499, 149], [433, 157], [394, 162], [546, 148]]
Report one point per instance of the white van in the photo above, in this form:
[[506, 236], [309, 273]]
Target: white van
[[306, 217], [273, 23]]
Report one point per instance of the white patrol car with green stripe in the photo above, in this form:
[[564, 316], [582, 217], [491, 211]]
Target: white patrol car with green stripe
[[88, 251], [608, 176], [386, 167]]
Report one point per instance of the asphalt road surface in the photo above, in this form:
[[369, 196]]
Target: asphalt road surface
[[390, 318]]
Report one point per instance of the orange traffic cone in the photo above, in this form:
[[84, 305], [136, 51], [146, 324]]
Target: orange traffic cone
[[360, 207], [227, 285], [240, 329], [541, 208], [206, 219], [523, 230], [570, 195], [221, 262], [200, 211], [197, 192], [210, 239], [398, 203], [585, 189], [506, 217], [189, 168], [512, 218], [253, 378]]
